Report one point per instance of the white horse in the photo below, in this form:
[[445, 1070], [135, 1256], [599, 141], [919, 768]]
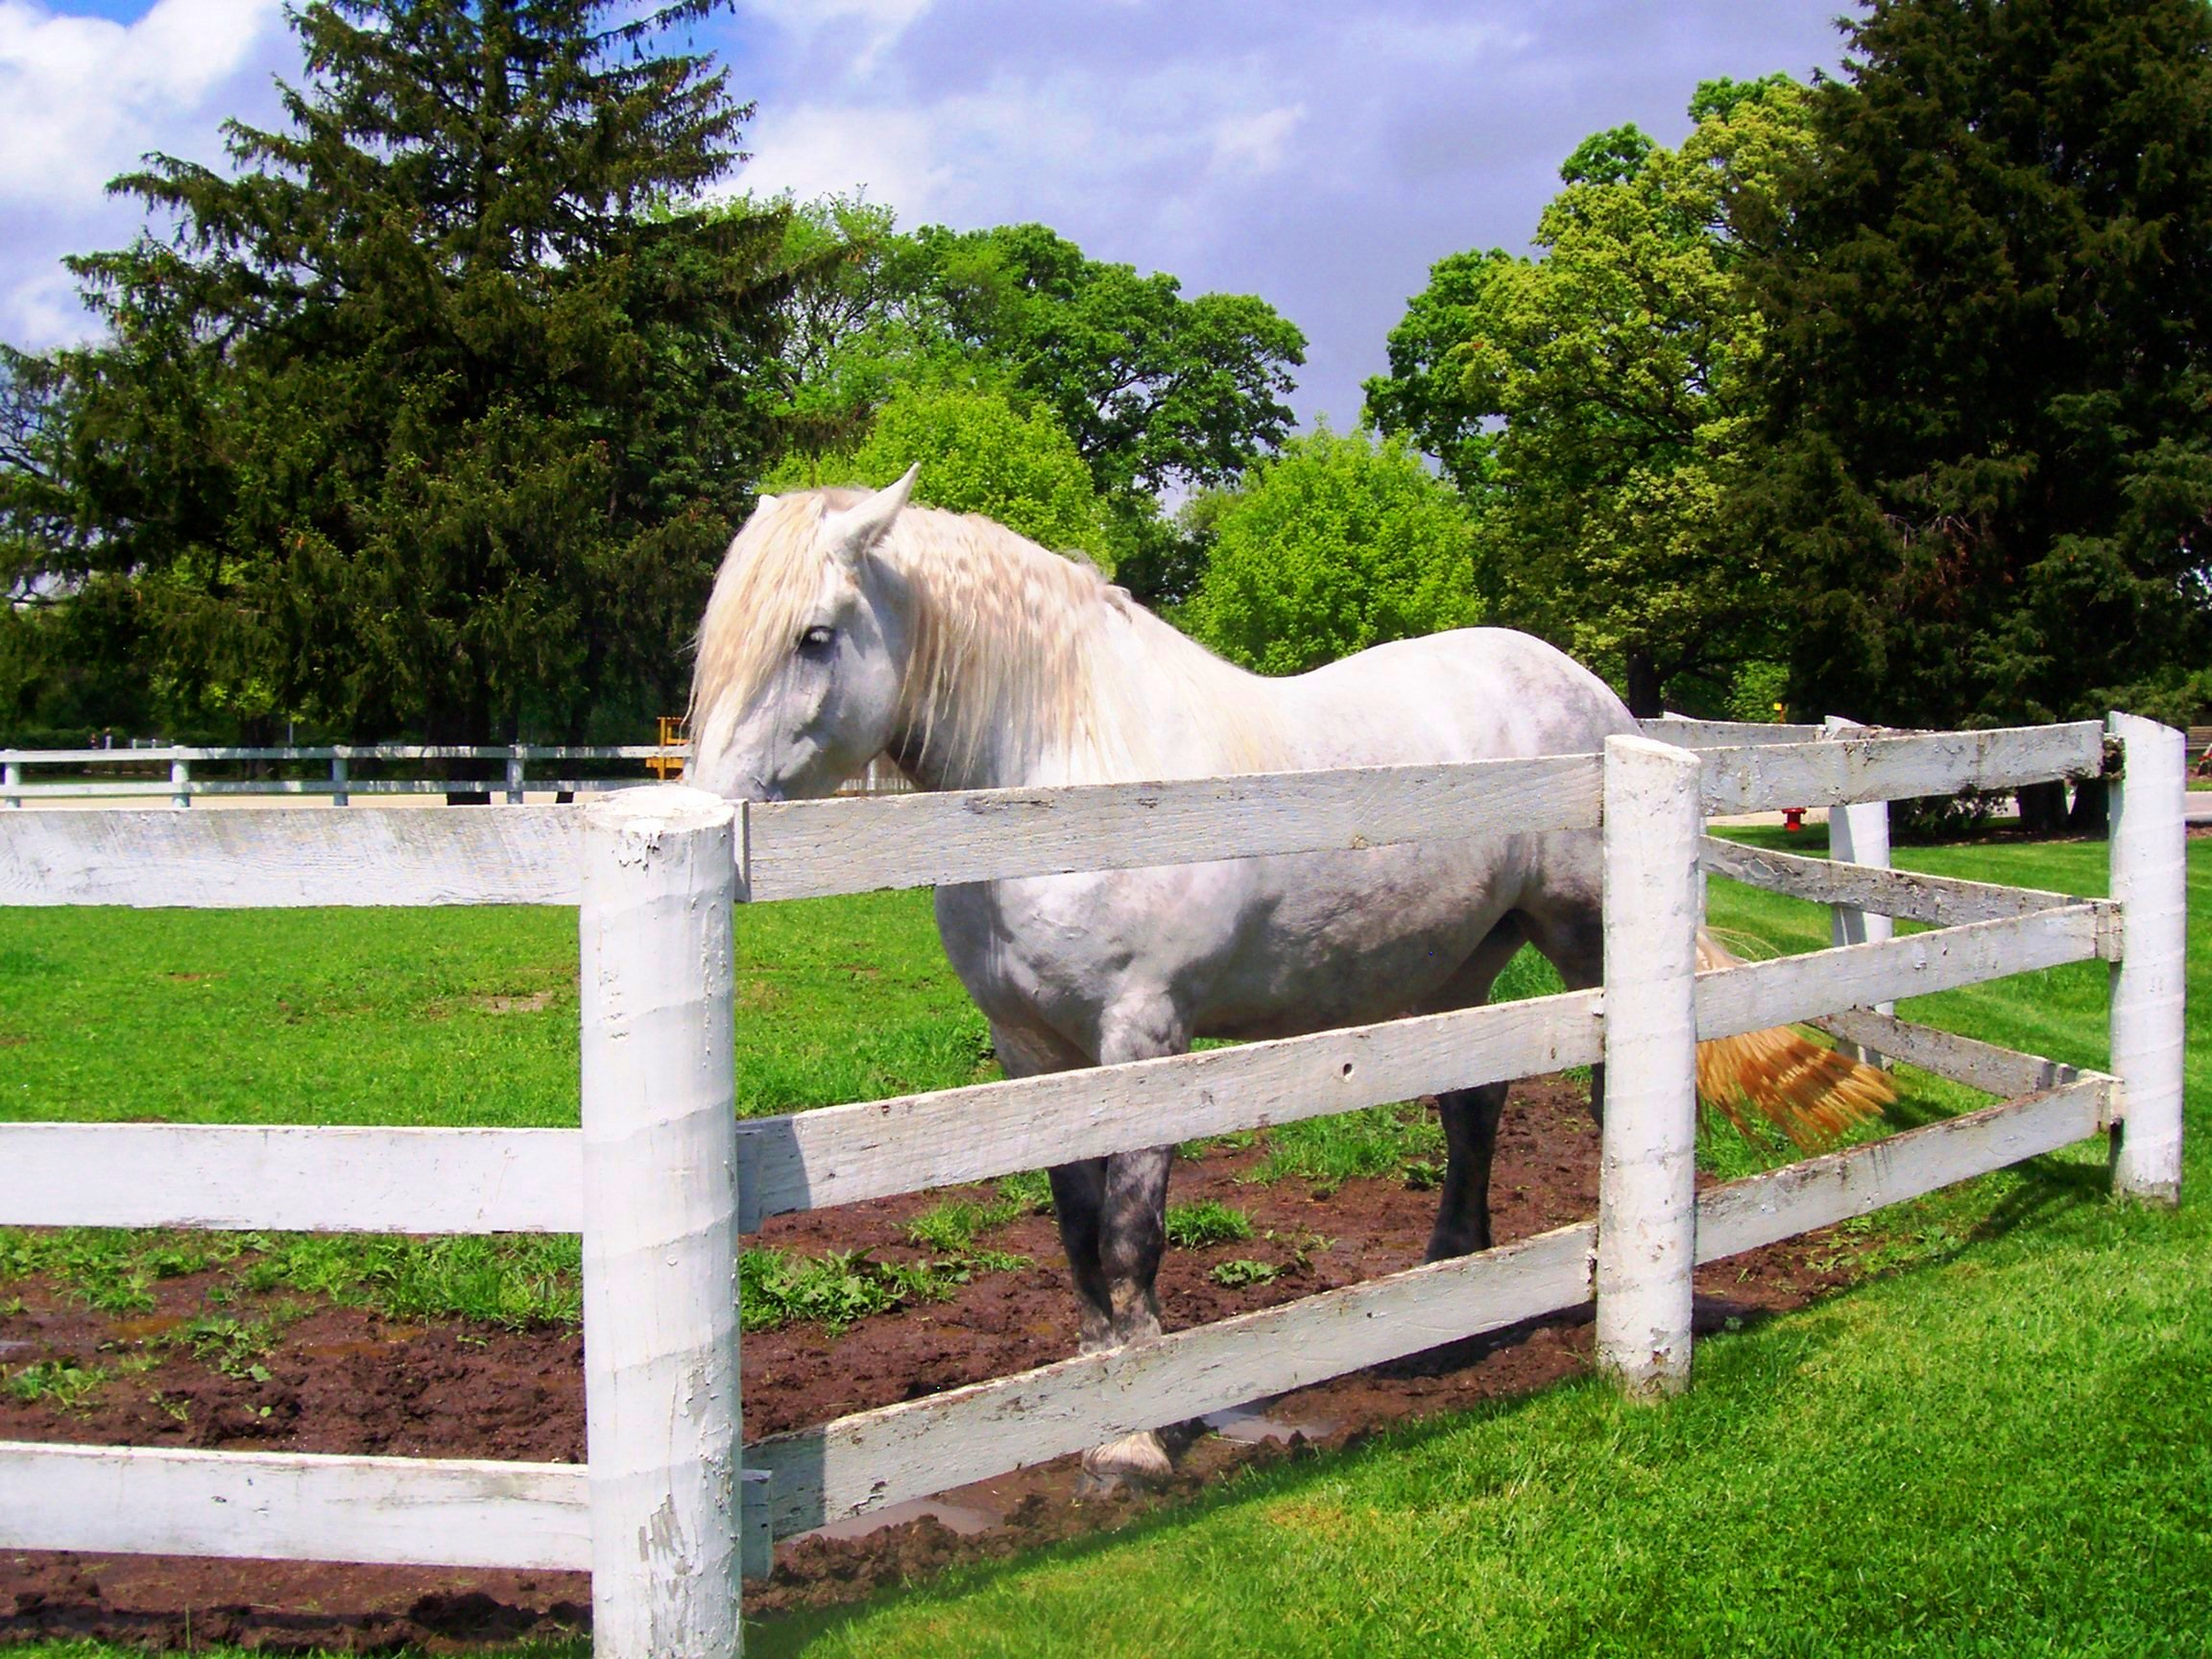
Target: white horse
[[845, 624]]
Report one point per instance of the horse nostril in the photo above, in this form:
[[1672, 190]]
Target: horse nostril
[[1347, 1068]]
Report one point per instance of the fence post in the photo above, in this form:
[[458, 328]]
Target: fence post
[[515, 757], [10, 779], [181, 779], [1646, 1193], [2150, 869], [660, 1223], [338, 797], [1858, 834]]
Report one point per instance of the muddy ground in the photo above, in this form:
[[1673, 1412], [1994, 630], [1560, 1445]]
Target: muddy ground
[[343, 1381]]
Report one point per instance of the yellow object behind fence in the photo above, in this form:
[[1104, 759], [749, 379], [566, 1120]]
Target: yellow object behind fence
[[672, 733]]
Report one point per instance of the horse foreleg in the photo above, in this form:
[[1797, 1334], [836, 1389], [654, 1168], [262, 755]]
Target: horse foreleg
[[1134, 1238], [1470, 1138], [1132, 1234], [1080, 1207]]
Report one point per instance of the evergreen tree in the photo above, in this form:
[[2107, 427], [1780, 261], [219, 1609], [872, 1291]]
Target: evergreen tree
[[432, 417], [1990, 305]]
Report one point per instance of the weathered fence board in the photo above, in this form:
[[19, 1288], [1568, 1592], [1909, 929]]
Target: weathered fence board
[[877, 1149], [1943, 900], [1963, 1060], [411, 1511], [292, 1179], [809, 849], [236, 861], [1789, 988], [1822, 1191], [865, 1462], [1683, 732], [1764, 778]]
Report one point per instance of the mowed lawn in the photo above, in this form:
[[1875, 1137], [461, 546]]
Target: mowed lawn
[[1997, 1442]]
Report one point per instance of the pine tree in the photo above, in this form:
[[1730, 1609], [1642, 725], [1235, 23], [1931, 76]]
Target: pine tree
[[1990, 304], [431, 417]]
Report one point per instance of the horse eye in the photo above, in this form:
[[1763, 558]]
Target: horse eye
[[817, 638]]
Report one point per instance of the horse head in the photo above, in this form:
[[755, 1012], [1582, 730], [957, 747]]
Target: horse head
[[802, 650]]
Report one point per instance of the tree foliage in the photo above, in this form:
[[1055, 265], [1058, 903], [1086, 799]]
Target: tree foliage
[[1595, 404], [978, 453], [1334, 545], [1155, 391], [433, 415], [1990, 307]]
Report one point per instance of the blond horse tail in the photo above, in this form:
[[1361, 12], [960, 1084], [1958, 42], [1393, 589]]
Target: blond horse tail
[[1812, 1094]]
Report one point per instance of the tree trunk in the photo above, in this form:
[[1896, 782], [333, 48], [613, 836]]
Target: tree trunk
[[2090, 816], [1644, 698], [2043, 809]]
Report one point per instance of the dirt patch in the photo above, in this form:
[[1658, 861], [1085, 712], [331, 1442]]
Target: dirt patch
[[517, 1003], [343, 1380]]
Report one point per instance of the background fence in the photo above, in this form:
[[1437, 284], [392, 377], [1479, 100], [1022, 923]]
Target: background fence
[[660, 1175], [349, 769]]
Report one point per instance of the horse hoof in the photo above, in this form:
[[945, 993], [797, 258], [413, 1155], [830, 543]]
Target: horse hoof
[[1135, 1461]]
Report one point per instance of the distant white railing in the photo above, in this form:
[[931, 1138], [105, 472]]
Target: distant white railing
[[342, 784], [661, 1178]]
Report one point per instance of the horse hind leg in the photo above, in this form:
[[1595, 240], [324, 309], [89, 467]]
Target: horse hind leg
[[1463, 1202], [1470, 1115], [1572, 938]]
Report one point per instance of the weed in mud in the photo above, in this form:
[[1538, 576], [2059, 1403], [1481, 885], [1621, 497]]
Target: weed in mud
[[60, 1383], [776, 1287], [839, 1288], [953, 1226], [1206, 1222], [1237, 1275], [230, 1346], [1327, 1153]]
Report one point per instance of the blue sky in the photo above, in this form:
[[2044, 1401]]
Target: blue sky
[[1319, 156]]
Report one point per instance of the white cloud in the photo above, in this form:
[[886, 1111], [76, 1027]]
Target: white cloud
[[1255, 143], [822, 150], [87, 97], [1067, 143], [878, 23]]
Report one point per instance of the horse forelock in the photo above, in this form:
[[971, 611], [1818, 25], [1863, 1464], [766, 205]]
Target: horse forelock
[[1007, 641], [764, 594]]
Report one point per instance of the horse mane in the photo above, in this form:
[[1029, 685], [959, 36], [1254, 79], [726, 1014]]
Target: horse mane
[[1010, 643]]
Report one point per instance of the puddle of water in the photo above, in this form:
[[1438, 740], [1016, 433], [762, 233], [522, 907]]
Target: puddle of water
[[1251, 1426], [145, 1330], [964, 1519]]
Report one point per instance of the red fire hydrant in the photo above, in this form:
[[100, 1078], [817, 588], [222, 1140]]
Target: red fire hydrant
[[1793, 817]]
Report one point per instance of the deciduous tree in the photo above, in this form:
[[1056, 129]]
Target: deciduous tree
[[1594, 404], [1334, 545]]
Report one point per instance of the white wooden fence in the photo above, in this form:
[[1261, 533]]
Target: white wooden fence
[[661, 1176], [99, 774]]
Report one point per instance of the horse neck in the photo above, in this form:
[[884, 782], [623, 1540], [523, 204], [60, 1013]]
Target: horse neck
[[1072, 683]]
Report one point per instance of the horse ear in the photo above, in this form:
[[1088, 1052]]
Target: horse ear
[[857, 528]]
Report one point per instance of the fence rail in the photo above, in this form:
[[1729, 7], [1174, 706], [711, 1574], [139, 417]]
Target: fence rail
[[514, 783], [659, 1178]]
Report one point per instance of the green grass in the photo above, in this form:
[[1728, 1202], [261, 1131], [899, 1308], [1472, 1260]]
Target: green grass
[[1205, 1222], [1997, 1442], [459, 1017]]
